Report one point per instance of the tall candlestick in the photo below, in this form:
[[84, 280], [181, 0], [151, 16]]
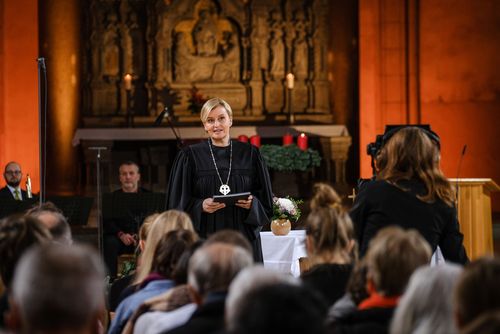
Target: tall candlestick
[[287, 139], [255, 140], [127, 80], [290, 81], [302, 141]]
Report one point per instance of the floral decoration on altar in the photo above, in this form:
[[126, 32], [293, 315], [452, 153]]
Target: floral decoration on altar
[[196, 100], [286, 208]]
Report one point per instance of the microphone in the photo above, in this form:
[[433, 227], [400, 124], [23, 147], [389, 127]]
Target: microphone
[[458, 171], [164, 114]]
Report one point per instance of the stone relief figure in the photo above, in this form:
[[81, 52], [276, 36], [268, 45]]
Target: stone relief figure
[[301, 48], [205, 35], [206, 47], [277, 67], [110, 63]]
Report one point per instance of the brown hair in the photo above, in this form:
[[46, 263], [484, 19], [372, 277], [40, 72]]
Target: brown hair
[[477, 290], [169, 249], [329, 228], [392, 257], [411, 154], [17, 234]]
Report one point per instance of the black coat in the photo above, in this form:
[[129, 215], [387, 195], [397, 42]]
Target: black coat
[[208, 318], [6, 193], [370, 321], [380, 204], [194, 178]]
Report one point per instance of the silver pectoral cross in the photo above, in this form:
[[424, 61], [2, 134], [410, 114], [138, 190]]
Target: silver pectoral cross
[[224, 189]]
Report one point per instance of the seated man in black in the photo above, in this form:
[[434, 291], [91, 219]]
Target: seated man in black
[[13, 175], [120, 234]]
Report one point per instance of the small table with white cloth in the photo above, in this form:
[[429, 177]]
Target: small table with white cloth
[[282, 252]]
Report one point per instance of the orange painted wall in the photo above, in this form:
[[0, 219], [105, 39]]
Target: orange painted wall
[[460, 83], [459, 77], [18, 87]]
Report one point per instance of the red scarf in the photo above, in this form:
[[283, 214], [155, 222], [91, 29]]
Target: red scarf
[[377, 300]]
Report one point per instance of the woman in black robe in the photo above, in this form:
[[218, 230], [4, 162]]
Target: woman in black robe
[[214, 166]]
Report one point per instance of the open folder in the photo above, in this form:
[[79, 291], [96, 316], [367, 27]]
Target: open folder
[[230, 199]]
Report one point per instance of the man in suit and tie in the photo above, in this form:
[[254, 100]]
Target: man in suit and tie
[[13, 175]]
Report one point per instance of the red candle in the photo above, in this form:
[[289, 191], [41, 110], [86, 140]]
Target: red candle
[[287, 139], [302, 142], [255, 140], [243, 138]]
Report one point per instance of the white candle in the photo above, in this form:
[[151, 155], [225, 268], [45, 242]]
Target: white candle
[[290, 81], [128, 81]]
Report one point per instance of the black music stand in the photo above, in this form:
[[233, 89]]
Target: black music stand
[[76, 209], [9, 206]]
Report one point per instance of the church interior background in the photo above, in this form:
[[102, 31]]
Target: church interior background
[[360, 64]]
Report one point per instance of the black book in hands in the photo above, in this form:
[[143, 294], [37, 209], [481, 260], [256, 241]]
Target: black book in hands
[[231, 199]]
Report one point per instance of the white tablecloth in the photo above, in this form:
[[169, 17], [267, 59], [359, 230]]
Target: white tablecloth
[[282, 253]]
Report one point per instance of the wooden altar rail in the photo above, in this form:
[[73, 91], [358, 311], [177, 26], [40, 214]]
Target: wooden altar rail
[[474, 214], [334, 139]]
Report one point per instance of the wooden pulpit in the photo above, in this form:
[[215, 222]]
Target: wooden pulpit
[[474, 214]]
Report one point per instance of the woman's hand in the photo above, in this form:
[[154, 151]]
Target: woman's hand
[[245, 203], [209, 206]]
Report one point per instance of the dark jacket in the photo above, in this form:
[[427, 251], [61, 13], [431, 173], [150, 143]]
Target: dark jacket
[[380, 204], [370, 321]]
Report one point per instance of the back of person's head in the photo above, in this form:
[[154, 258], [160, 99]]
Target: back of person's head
[[59, 288], [426, 306], [52, 217], [411, 154], [180, 273], [477, 290], [213, 267], [487, 323], [167, 221], [392, 257], [278, 308], [17, 234], [169, 249], [230, 237], [356, 285], [329, 229], [246, 281], [146, 226]]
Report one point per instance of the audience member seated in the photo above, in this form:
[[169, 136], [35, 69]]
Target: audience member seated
[[356, 292], [211, 270], [392, 257], [477, 290], [246, 281], [330, 244], [488, 323], [52, 217], [120, 235], [159, 311], [155, 322], [410, 191], [426, 306], [278, 308], [122, 287], [58, 289], [13, 176], [17, 234], [168, 250]]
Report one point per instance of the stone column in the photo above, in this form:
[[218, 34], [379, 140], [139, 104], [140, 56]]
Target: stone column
[[60, 44]]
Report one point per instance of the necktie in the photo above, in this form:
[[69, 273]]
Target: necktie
[[16, 195]]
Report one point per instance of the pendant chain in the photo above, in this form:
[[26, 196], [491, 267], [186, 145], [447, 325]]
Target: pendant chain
[[230, 161]]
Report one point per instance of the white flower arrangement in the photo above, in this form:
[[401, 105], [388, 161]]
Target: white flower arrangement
[[286, 208]]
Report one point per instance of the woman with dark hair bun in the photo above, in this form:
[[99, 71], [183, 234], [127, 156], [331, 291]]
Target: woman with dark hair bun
[[410, 191], [330, 244]]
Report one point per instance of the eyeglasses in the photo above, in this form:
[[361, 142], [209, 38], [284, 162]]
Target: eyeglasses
[[13, 172]]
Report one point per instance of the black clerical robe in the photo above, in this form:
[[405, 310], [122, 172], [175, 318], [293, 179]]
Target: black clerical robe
[[194, 178]]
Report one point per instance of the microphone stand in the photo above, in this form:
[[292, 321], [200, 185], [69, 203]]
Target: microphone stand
[[166, 114], [100, 234], [42, 123]]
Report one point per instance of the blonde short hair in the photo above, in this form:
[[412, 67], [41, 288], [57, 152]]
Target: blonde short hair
[[211, 105]]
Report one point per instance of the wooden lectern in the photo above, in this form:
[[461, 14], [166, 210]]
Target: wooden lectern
[[474, 214]]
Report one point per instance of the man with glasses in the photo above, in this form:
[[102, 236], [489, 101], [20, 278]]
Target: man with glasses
[[13, 175]]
